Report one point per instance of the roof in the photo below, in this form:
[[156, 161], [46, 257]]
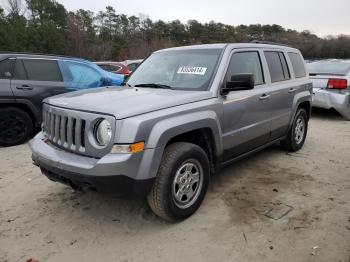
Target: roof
[[36, 55], [233, 45], [131, 61], [107, 63]]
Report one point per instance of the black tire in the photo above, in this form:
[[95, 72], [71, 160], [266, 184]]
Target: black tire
[[161, 199], [292, 143], [16, 126]]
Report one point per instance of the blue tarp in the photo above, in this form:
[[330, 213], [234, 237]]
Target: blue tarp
[[81, 74]]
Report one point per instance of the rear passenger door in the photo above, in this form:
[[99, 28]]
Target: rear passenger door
[[36, 79], [246, 112], [282, 90]]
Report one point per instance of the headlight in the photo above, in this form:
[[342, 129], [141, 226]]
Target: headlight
[[103, 133]]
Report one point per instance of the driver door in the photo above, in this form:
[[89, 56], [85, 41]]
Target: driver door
[[246, 112]]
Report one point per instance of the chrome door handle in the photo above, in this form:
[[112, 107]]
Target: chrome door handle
[[264, 97], [292, 90]]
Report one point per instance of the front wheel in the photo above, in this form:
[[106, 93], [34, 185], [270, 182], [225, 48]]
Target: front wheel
[[181, 183], [297, 134]]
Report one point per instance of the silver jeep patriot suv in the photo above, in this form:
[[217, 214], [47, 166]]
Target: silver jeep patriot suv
[[183, 114]]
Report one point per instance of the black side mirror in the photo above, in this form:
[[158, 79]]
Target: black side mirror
[[238, 82]]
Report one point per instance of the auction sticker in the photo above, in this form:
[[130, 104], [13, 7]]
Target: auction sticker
[[192, 70]]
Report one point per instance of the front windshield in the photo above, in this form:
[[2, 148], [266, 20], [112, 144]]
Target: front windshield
[[178, 69]]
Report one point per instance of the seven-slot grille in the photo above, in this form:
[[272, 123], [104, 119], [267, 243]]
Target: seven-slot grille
[[73, 130], [65, 131]]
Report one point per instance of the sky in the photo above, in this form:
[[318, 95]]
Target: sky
[[322, 17]]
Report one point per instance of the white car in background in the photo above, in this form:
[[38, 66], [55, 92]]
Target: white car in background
[[331, 85]]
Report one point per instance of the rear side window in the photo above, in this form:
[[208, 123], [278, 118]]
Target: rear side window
[[42, 70], [246, 63], [6, 68], [277, 66], [298, 65]]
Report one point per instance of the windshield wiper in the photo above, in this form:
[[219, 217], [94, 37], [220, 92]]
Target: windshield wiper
[[153, 85]]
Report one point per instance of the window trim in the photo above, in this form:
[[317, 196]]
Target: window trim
[[287, 68], [246, 51]]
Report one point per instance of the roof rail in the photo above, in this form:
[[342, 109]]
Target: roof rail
[[42, 54], [267, 43]]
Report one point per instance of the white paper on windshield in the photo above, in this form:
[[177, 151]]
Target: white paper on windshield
[[192, 70]]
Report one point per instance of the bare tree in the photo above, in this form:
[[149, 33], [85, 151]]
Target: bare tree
[[15, 7]]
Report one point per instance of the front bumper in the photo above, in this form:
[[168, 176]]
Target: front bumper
[[118, 174], [329, 99]]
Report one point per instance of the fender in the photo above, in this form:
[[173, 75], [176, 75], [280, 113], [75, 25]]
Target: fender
[[167, 129]]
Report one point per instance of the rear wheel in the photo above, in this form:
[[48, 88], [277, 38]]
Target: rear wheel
[[181, 182], [297, 134], [16, 126]]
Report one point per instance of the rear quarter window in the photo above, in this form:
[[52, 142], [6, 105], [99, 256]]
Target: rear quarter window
[[297, 64], [42, 70]]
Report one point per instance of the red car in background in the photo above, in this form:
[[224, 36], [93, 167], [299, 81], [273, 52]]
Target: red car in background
[[125, 68]]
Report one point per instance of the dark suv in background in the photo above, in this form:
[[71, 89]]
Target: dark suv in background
[[26, 79]]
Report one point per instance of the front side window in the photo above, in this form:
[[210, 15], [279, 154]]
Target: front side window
[[246, 63], [42, 70], [178, 69], [6, 68]]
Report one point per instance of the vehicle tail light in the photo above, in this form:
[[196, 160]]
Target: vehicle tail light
[[335, 83], [126, 71]]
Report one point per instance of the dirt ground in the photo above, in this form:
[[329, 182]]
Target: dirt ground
[[273, 206]]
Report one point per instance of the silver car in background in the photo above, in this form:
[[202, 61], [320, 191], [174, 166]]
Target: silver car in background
[[331, 85]]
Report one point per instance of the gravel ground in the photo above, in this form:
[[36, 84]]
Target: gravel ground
[[273, 206]]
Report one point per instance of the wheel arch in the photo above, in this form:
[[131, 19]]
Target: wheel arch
[[200, 128], [301, 100], [26, 108]]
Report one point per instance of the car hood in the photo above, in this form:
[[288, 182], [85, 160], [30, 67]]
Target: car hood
[[123, 102]]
